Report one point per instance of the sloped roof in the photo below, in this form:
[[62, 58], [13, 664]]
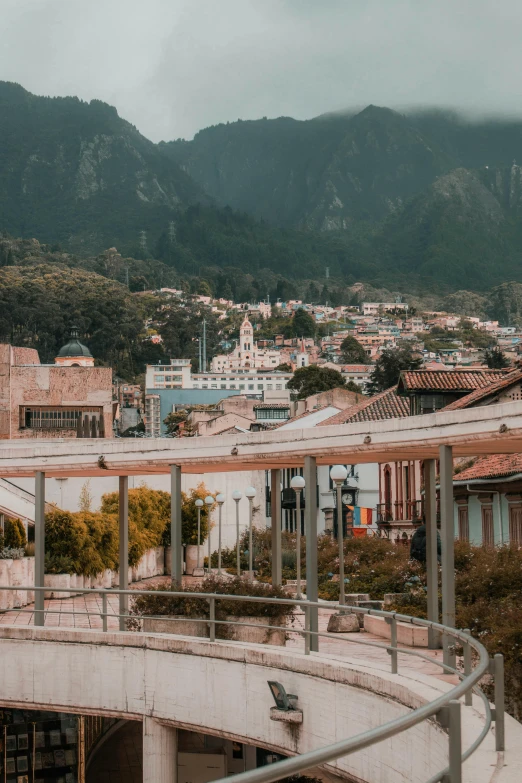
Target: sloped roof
[[496, 466], [386, 405], [450, 380], [311, 418], [509, 379]]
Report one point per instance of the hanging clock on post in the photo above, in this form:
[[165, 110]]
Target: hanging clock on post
[[348, 498]]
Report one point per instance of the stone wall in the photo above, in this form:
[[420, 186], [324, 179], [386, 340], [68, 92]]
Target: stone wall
[[21, 572]]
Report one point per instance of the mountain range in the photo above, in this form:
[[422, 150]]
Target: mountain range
[[405, 200]]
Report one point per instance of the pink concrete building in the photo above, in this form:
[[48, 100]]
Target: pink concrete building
[[68, 399]]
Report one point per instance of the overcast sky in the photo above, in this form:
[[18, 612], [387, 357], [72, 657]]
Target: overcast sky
[[172, 67]]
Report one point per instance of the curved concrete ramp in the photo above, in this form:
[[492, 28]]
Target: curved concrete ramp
[[221, 688]]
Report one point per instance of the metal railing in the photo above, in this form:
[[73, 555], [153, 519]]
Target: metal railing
[[446, 709]]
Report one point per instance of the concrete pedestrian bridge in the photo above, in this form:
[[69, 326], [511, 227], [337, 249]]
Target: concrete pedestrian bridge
[[220, 688]]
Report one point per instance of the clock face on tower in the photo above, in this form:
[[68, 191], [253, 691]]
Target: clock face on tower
[[347, 499]]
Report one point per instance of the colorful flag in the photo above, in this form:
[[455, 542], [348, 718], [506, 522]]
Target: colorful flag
[[361, 515]]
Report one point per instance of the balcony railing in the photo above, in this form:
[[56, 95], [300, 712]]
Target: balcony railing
[[400, 511]]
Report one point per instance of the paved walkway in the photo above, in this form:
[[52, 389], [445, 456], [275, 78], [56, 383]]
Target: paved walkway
[[85, 612]]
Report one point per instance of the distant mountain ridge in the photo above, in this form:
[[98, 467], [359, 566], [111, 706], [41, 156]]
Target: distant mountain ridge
[[405, 201], [73, 172]]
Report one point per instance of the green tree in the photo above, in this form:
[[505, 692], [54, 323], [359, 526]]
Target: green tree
[[302, 324], [314, 379], [352, 352], [173, 420], [389, 366], [14, 534], [495, 358]]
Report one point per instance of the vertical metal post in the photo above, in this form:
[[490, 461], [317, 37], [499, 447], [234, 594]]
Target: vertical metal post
[[499, 702], [455, 742], [275, 512], [432, 568], [175, 525], [298, 540], [123, 513], [39, 546], [393, 644], [238, 554], [468, 699], [212, 620], [340, 539], [307, 630], [219, 539], [250, 553], [448, 549], [104, 610], [209, 521], [312, 588], [199, 536]]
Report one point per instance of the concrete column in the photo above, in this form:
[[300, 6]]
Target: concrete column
[[432, 570], [123, 513], [160, 752], [39, 546], [310, 477], [447, 527], [275, 512], [176, 551]]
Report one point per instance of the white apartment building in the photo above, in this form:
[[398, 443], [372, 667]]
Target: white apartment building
[[178, 375], [374, 308]]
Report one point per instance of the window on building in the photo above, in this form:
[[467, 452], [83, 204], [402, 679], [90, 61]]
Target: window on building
[[241, 385], [269, 386], [463, 518], [488, 536], [43, 418], [232, 385], [204, 385], [223, 386], [515, 524], [260, 386], [279, 385], [195, 385], [272, 413], [213, 385], [251, 386]]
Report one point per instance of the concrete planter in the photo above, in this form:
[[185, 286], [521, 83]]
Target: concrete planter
[[191, 557], [56, 581], [176, 625], [256, 632], [411, 635]]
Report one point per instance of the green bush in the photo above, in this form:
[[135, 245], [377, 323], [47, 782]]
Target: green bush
[[14, 534], [163, 604]]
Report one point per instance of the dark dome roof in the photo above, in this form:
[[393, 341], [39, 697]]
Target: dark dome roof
[[74, 347]]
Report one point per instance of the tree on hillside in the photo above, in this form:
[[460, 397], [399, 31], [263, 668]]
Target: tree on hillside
[[352, 352], [389, 366], [314, 379], [181, 325], [495, 358], [303, 325]]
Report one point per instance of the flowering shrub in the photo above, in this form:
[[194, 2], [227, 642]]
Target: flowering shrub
[[10, 553]]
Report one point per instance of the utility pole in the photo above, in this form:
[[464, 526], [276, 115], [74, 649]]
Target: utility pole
[[204, 345], [127, 275], [327, 273], [200, 355]]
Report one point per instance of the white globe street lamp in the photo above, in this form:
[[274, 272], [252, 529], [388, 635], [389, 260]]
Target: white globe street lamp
[[250, 493], [298, 484], [338, 474], [199, 505], [220, 499], [236, 497], [209, 502]]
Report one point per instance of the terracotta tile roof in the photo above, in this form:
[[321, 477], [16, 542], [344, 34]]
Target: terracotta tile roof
[[497, 466], [510, 378], [386, 405], [450, 380]]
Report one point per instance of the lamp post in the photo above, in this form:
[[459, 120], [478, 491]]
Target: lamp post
[[298, 484], [220, 499], [338, 474], [199, 506], [236, 497], [209, 502], [250, 493]]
